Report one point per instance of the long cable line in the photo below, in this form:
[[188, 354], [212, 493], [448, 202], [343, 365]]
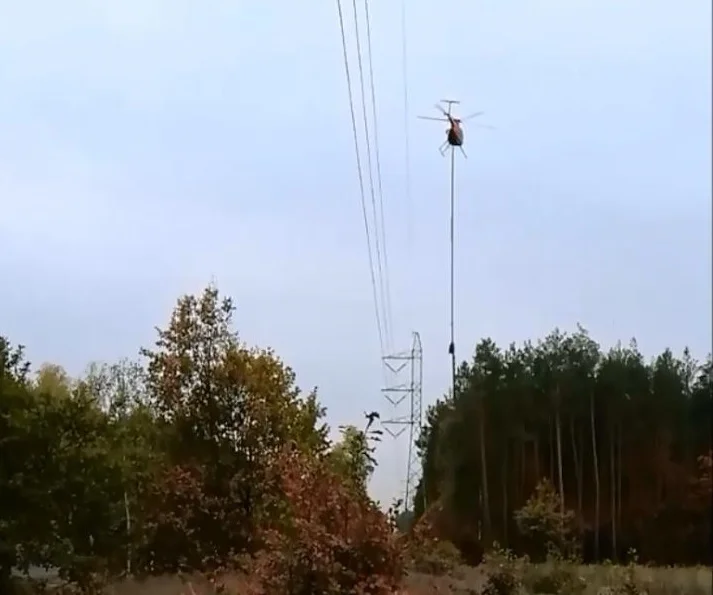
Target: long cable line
[[387, 287], [452, 346], [407, 148], [361, 177], [380, 275]]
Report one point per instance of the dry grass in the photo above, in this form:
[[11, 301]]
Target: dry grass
[[175, 585], [597, 580], [464, 580], [656, 581]]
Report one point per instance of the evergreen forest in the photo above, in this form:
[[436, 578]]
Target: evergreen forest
[[624, 439]]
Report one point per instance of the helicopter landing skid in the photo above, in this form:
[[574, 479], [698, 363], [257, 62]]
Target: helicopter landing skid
[[444, 147]]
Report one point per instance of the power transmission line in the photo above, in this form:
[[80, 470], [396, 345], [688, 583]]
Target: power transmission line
[[380, 272], [387, 287], [407, 148], [361, 178], [413, 419]]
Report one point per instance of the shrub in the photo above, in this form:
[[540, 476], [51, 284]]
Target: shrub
[[328, 537], [543, 524], [432, 556], [503, 572]]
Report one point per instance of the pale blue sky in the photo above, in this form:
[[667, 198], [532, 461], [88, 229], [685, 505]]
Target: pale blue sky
[[149, 146]]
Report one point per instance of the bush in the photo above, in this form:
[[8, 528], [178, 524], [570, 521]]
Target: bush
[[433, 556], [328, 538], [544, 526], [503, 571]]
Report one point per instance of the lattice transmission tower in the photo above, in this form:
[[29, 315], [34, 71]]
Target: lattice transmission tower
[[404, 379]]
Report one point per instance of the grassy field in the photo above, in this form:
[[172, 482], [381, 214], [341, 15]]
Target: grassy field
[[465, 580], [597, 580]]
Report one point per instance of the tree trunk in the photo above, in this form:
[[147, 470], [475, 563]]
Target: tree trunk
[[612, 481], [577, 468], [127, 514], [480, 522], [523, 469], [619, 475], [658, 449], [505, 496], [558, 430], [595, 458], [538, 476], [551, 440], [580, 486], [484, 471]]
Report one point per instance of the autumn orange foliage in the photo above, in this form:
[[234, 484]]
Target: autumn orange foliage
[[327, 537]]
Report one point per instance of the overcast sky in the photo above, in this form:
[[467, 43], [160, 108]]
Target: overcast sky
[[148, 147]]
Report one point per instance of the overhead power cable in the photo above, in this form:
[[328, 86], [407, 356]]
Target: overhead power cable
[[387, 287], [380, 272], [407, 147], [361, 178]]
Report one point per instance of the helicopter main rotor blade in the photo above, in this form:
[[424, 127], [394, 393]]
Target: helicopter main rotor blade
[[475, 115], [430, 118], [440, 109]]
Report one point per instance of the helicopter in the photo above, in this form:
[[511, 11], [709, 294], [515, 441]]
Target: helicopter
[[454, 134]]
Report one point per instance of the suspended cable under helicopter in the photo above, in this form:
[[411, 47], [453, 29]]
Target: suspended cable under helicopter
[[454, 138]]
